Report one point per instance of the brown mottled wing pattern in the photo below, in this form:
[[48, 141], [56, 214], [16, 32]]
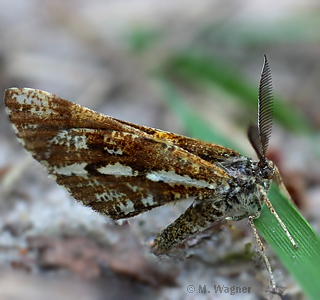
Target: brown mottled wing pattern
[[117, 168], [207, 151]]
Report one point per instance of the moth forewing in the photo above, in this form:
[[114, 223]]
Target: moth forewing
[[117, 168]]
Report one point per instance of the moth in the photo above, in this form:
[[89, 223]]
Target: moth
[[122, 169]]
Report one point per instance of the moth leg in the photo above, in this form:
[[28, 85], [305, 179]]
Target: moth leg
[[260, 244], [238, 218], [196, 218], [263, 253], [273, 211], [277, 179]]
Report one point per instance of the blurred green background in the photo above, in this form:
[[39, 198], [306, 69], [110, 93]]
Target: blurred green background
[[188, 67]]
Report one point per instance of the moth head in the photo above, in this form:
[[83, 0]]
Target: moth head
[[259, 136]]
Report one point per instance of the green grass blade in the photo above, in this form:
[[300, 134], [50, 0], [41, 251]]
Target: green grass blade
[[303, 263]]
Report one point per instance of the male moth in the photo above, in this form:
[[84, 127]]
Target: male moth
[[121, 169]]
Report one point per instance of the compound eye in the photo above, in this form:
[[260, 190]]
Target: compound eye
[[266, 173]]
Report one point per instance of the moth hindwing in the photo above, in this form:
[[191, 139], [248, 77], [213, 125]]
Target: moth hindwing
[[121, 169]]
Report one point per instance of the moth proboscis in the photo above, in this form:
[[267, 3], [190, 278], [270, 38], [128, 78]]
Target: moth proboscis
[[121, 169]]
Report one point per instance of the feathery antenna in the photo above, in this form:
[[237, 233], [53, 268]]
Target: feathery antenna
[[259, 136], [265, 107]]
